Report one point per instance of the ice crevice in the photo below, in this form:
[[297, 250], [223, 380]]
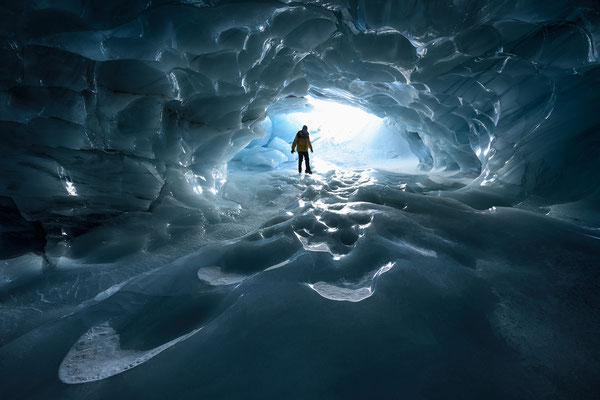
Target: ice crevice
[[157, 239]]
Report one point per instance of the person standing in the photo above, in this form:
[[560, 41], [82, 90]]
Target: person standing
[[302, 140]]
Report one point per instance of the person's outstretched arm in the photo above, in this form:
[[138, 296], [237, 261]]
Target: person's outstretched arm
[[294, 144]]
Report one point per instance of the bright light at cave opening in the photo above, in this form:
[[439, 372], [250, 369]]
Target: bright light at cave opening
[[337, 122], [346, 136]]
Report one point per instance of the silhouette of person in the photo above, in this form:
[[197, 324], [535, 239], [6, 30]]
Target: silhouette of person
[[302, 140]]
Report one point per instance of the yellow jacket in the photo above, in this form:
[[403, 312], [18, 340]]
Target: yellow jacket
[[302, 140]]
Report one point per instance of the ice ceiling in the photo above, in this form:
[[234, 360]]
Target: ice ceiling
[[106, 106], [121, 121]]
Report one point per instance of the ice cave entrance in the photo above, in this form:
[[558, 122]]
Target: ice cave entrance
[[343, 136], [336, 123]]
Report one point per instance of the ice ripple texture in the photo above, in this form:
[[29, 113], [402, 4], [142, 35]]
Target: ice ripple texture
[[433, 298], [134, 263], [137, 107]]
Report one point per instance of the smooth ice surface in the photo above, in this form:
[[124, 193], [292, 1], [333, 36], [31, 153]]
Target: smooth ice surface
[[156, 240]]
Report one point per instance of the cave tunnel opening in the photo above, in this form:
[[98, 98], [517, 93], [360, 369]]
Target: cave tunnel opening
[[157, 241], [344, 136]]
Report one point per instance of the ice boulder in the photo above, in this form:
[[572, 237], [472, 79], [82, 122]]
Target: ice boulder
[[261, 157], [281, 145]]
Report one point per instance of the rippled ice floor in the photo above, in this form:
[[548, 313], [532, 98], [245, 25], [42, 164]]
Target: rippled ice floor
[[359, 285]]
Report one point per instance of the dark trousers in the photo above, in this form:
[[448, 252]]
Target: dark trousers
[[301, 155]]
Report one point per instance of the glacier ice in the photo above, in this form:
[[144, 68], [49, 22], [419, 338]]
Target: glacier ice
[[156, 239]]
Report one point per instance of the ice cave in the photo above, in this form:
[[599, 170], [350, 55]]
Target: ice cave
[[158, 242]]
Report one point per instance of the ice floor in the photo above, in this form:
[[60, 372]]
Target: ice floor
[[361, 284]]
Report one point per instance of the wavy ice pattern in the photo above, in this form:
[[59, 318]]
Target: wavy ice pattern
[[147, 181], [411, 271], [139, 106]]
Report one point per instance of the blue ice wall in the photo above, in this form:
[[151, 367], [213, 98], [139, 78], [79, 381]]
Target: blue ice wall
[[474, 278], [115, 107], [118, 107], [114, 99]]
